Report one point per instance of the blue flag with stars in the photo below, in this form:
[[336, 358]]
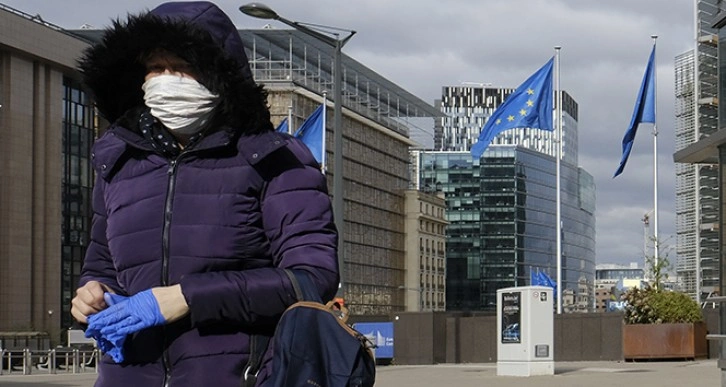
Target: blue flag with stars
[[530, 106], [644, 111], [283, 127], [312, 133]]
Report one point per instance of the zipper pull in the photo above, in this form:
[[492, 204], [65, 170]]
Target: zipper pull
[[172, 166]]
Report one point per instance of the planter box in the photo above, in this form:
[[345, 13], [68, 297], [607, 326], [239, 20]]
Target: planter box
[[664, 341]]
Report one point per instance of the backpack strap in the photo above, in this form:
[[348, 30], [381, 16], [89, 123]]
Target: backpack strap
[[258, 346], [304, 291]]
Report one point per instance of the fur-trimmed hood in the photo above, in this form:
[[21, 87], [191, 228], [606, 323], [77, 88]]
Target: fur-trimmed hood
[[198, 32]]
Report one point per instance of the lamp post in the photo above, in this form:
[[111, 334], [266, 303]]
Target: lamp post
[[262, 11]]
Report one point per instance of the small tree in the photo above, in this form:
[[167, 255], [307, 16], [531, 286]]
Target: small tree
[[655, 305], [658, 268]]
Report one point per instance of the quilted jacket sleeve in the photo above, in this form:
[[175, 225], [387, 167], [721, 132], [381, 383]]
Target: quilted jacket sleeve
[[97, 265], [298, 221]]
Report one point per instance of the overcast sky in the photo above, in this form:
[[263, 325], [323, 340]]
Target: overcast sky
[[422, 45]]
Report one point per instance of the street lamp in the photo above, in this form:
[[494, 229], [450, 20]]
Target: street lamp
[[262, 11]]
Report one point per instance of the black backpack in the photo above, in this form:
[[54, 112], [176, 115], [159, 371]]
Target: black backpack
[[312, 346]]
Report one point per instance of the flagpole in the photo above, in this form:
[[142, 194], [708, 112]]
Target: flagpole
[[656, 242], [558, 142]]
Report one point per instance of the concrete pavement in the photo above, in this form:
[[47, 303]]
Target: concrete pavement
[[701, 373]]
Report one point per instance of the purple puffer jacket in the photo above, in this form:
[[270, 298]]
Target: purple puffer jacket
[[223, 219], [222, 228]]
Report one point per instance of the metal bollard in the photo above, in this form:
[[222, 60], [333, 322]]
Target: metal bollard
[[86, 360], [76, 359], [67, 361], [52, 362], [27, 362], [10, 362]]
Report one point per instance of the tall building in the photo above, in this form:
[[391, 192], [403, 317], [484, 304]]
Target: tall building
[[48, 126], [425, 284], [467, 108], [501, 210], [697, 211], [711, 150]]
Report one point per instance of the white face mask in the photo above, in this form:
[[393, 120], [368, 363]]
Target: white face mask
[[182, 104]]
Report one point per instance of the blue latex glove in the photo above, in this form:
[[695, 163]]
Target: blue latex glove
[[125, 316], [129, 316], [113, 349], [113, 299]]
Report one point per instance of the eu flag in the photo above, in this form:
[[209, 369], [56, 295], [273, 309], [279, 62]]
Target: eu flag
[[530, 106], [312, 133], [534, 278], [644, 110], [283, 126], [546, 280]]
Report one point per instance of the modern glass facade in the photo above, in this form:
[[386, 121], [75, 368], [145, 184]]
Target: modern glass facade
[[697, 211], [501, 210], [77, 184], [618, 274], [711, 150], [466, 110]]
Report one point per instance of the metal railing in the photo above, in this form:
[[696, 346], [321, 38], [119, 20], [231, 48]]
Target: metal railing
[[52, 361]]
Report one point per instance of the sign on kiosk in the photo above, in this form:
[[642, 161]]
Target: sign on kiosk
[[525, 326], [511, 304]]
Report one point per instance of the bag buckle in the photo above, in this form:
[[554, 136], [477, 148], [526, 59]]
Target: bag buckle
[[249, 378]]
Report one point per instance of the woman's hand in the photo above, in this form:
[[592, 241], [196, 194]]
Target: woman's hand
[[126, 315], [88, 300]]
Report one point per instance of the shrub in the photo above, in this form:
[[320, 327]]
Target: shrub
[[651, 306]]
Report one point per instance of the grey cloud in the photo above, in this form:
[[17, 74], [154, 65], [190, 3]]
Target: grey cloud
[[425, 44]]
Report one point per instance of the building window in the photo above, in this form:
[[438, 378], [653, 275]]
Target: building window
[[79, 124]]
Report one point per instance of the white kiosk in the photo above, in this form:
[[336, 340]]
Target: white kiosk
[[525, 331]]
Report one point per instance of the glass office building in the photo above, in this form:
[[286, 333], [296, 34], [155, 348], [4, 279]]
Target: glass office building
[[501, 211], [466, 110], [697, 210], [711, 150]]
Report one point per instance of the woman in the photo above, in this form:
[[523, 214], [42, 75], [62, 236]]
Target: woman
[[199, 205]]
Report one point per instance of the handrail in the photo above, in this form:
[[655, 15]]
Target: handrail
[[715, 336], [25, 361]]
